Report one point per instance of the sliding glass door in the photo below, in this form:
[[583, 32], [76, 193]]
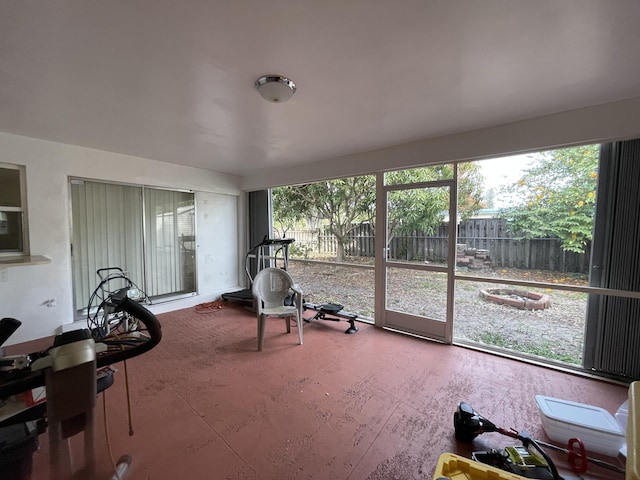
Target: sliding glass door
[[149, 233], [169, 242]]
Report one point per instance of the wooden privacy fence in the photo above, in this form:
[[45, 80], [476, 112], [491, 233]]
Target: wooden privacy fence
[[505, 251], [490, 235], [320, 241]]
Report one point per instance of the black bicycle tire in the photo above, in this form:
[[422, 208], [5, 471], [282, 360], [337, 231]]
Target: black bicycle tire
[[152, 326]]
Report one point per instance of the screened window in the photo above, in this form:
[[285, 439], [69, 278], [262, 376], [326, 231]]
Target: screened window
[[148, 232], [12, 210]]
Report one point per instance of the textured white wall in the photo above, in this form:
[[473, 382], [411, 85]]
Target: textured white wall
[[48, 168], [218, 253]]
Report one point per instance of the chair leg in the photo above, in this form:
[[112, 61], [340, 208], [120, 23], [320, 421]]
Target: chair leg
[[300, 324], [262, 321], [287, 319]]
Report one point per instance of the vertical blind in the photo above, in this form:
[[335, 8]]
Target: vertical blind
[[134, 228], [613, 324]]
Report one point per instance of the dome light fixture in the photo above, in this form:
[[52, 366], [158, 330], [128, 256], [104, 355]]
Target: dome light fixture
[[275, 88]]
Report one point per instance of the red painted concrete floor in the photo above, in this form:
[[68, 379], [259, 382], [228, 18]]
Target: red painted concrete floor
[[374, 405]]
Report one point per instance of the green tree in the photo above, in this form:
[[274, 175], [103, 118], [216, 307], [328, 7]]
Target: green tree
[[346, 203], [423, 209], [343, 203], [556, 197], [289, 210]]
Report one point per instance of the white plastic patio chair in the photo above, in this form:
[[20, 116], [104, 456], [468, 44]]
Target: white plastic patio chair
[[271, 287]]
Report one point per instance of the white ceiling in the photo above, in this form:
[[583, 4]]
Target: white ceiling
[[173, 80]]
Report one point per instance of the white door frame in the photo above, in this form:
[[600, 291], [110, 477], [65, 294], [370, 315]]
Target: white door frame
[[422, 326]]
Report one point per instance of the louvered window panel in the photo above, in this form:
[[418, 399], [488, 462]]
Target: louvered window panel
[[613, 325]]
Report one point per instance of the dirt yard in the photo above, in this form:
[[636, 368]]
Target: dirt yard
[[556, 332]]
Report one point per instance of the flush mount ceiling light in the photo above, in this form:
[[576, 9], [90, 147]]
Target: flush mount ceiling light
[[275, 88]]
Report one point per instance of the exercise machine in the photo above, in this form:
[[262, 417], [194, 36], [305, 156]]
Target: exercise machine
[[332, 312], [270, 252], [72, 371], [274, 252]]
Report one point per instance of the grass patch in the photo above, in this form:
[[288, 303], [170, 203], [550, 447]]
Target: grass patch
[[544, 349]]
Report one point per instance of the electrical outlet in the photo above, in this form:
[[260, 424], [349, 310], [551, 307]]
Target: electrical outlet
[[4, 274]]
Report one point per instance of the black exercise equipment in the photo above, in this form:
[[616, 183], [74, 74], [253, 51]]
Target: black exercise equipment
[[334, 310], [266, 254], [274, 252]]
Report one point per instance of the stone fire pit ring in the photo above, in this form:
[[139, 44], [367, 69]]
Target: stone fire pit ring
[[516, 298]]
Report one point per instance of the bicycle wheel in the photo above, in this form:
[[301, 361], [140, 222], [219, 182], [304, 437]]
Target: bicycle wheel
[[125, 344]]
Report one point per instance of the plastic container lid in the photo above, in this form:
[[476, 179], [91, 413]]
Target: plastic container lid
[[586, 416], [622, 415], [633, 433]]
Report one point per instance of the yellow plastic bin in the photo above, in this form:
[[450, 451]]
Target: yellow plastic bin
[[455, 467]]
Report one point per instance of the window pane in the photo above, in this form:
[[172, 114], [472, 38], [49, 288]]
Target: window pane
[[10, 231], [170, 253], [348, 285], [416, 230], [10, 187], [332, 222], [536, 217], [417, 292], [422, 174], [536, 321]]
